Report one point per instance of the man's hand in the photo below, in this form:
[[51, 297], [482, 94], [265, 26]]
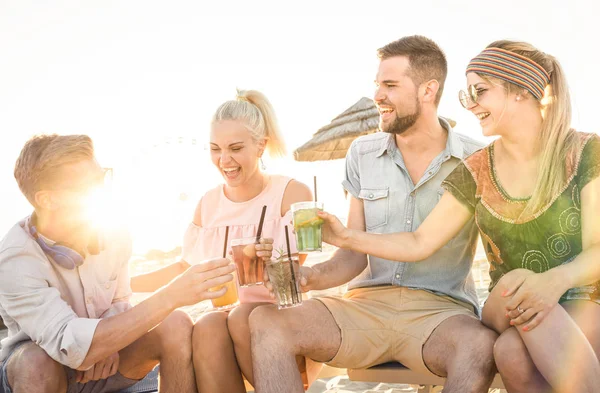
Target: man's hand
[[102, 370], [193, 285], [334, 232], [308, 280]]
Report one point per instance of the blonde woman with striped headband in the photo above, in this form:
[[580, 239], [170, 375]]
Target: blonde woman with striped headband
[[535, 195]]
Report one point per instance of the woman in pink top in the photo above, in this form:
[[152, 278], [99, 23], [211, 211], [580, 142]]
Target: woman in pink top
[[241, 131]]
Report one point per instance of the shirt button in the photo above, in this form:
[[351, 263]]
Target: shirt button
[[107, 285], [371, 195], [398, 276], [88, 300], [408, 221]]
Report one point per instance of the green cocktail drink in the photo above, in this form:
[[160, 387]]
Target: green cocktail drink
[[307, 225]]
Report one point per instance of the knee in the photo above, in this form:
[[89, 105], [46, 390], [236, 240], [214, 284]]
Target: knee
[[238, 323], [510, 355], [267, 325], [33, 367], [210, 331], [263, 319], [484, 339], [511, 276], [175, 333], [479, 348]]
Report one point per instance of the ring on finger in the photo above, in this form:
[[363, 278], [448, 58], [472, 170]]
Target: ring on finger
[[520, 310]]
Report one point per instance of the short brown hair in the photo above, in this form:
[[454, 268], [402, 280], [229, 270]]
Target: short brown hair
[[427, 60], [42, 155]]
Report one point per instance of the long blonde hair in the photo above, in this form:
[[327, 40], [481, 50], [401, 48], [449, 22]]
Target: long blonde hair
[[254, 110], [556, 135]]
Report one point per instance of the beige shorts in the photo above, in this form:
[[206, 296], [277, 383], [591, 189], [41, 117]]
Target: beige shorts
[[389, 323]]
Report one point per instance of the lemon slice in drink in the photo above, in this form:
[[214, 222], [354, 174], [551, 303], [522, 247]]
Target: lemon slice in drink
[[313, 221]]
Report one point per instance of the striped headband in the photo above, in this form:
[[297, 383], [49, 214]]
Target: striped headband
[[513, 68]]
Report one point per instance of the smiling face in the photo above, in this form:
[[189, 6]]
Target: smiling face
[[234, 152], [396, 96], [496, 109]]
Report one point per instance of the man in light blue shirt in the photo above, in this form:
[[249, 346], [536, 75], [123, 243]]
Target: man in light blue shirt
[[423, 315]]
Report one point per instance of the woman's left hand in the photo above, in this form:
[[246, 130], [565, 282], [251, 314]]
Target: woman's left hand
[[264, 248], [533, 300]]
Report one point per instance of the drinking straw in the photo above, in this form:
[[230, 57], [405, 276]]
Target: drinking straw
[[260, 223], [258, 233], [315, 186], [293, 283], [225, 245]]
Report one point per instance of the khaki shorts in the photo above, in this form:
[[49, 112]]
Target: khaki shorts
[[389, 323]]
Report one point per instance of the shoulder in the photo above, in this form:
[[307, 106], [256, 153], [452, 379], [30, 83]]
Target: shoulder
[[21, 257], [295, 192], [198, 213], [210, 197], [585, 153], [369, 143], [474, 165], [14, 238], [469, 144], [588, 143]]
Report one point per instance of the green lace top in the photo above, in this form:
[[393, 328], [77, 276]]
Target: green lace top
[[541, 241]]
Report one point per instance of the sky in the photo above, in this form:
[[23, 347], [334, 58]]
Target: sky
[[143, 78]]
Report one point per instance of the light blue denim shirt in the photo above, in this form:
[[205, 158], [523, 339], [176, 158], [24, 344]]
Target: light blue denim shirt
[[376, 173]]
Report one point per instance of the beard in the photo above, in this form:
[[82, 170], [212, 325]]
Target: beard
[[401, 124]]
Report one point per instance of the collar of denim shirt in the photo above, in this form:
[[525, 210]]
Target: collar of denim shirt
[[453, 145]]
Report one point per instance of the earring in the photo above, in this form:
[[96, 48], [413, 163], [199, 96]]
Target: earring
[[518, 98], [262, 164]]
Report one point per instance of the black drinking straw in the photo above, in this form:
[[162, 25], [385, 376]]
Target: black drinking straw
[[225, 245], [315, 186], [258, 233], [260, 223], [293, 283]]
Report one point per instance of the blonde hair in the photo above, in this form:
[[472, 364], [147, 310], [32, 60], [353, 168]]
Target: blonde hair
[[556, 135], [255, 111], [43, 155]]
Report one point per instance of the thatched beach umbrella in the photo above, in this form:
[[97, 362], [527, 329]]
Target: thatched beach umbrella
[[332, 141]]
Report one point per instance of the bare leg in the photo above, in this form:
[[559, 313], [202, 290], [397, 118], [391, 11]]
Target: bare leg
[[516, 367], [169, 343], [461, 348], [239, 329], [215, 363], [587, 316], [278, 336], [31, 370], [570, 363]]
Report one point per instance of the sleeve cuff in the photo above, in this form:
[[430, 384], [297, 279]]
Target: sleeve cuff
[[76, 341], [456, 193], [116, 308], [350, 188]]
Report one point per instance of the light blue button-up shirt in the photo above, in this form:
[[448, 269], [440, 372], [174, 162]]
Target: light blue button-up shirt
[[376, 173]]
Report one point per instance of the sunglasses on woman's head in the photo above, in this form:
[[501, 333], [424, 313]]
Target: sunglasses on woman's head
[[468, 98]]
